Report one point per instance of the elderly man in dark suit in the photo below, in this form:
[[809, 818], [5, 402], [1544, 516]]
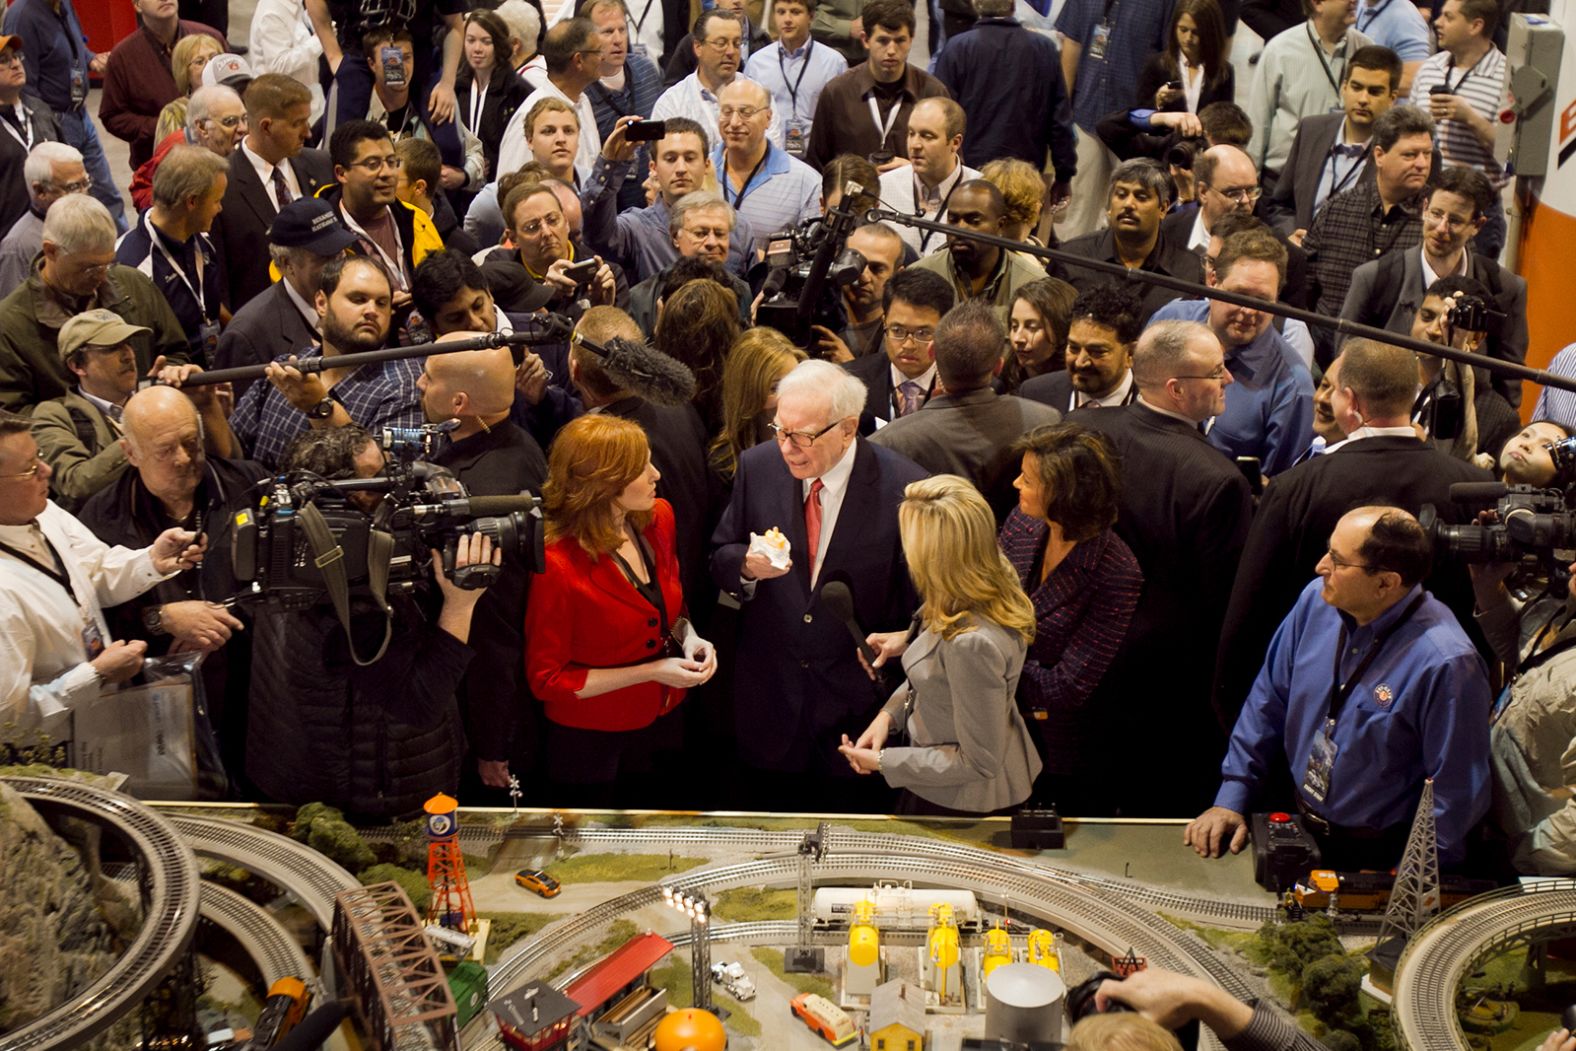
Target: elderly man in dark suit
[[1184, 511], [304, 236], [1382, 461], [902, 378], [797, 682], [267, 172], [970, 429]]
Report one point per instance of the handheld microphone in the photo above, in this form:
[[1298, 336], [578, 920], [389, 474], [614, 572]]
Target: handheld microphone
[[838, 599], [644, 370]]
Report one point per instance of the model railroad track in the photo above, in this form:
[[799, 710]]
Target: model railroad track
[[169, 890], [259, 935], [294, 868], [1454, 942]]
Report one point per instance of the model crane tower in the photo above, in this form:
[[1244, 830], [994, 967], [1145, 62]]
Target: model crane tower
[[804, 957]]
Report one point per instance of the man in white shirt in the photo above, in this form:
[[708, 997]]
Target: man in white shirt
[[1298, 75], [794, 70], [573, 50], [55, 579], [718, 38], [923, 186], [646, 27]]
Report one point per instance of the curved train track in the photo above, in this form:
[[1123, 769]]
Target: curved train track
[[295, 868], [170, 885], [270, 946]]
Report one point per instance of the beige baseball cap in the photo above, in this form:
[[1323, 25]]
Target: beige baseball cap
[[96, 328]]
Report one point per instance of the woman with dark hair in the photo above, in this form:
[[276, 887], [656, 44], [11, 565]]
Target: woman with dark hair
[[488, 91], [1194, 69], [1037, 323], [1084, 583], [609, 652], [698, 325]]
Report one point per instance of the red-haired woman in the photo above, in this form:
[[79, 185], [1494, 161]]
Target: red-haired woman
[[608, 650]]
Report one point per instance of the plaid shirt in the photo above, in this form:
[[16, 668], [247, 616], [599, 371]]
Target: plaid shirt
[[375, 396], [1352, 228]]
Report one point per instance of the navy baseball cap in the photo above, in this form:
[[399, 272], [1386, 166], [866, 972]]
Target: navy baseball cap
[[310, 223]]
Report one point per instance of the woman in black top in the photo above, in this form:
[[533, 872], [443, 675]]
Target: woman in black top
[[488, 91], [1194, 69]]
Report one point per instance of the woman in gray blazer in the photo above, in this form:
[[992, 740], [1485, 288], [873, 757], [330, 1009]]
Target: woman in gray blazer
[[968, 750]]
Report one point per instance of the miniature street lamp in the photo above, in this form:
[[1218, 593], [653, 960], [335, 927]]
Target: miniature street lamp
[[697, 907]]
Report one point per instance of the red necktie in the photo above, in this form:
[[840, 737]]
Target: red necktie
[[812, 523]]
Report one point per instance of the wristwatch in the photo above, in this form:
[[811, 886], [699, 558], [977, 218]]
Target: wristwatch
[[322, 410], [153, 620]]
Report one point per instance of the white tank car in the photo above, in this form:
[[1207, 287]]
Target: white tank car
[[899, 906]]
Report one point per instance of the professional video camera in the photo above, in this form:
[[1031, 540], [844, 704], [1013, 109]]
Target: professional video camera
[[308, 539], [1533, 525], [809, 266]]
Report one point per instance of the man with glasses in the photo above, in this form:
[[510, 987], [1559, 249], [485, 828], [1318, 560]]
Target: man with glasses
[[1269, 412], [1408, 699], [717, 41], [75, 272], [26, 123], [138, 80], [573, 50], [1381, 458], [1375, 217], [55, 576], [770, 189], [1388, 291], [798, 683], [215, 120], [51, 171], [685, 57], [900, 380], [975, 269], [1187, 535]]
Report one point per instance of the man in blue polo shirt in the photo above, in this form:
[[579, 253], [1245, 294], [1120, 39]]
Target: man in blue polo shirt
[[765, 185], [1369, 687], [1269, 405]]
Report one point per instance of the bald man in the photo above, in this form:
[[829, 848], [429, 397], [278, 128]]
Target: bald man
[[772, 190], [493, 457], [174, 481]]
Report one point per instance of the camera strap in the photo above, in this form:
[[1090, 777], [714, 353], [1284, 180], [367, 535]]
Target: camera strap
[[329, 558]]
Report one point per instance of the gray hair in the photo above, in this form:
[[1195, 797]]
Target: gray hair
[[695, 201], [524, 23], [41, 160], [185, 172], [77, 222], [1143, 172], [842, 390], [203, 102], [1162, 351], [1400, 121]]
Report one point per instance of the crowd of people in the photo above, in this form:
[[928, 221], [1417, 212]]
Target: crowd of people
[[1101, 542]]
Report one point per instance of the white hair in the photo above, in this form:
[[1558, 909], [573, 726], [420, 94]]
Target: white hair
[[203, 102], [525, 25], [41, 160], [697, 200], [842, 390], [77, 222]]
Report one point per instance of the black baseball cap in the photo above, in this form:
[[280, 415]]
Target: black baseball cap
[[310, 223]]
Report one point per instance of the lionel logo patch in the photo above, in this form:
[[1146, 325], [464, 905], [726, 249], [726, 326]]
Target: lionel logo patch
[[1383, 695]]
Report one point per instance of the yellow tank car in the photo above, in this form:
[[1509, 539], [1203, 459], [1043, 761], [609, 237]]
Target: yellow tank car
[[998, 950], [864, 940], [1043, 949]]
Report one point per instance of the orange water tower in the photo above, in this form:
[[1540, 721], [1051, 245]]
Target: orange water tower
[[451, 905]]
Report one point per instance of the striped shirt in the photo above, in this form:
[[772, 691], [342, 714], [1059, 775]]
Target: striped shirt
[[1483, 86], [782, 194], [1553, 403]]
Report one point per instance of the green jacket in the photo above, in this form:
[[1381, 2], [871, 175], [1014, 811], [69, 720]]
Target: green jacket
[[80, 445], [836, 24], [30, 319]]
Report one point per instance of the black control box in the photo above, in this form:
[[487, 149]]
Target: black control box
[[1283, 851]]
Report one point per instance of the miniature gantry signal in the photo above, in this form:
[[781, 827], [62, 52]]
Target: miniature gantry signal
[[1129, 965], [451, 905], [697, 907]]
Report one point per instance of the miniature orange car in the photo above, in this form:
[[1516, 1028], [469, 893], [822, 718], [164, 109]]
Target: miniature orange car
[[538, 882]]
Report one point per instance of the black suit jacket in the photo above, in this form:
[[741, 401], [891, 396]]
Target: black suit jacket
[[1289, 206], [1184, 511], [1294, 293], [266, 327], [240, 232], [1168, 257], [1056, 390], [797, 684], [875, 371], [1292, 530], [44, 127]]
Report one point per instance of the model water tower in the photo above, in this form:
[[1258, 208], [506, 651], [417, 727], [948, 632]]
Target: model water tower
[[451, 892], [1023, 1003]]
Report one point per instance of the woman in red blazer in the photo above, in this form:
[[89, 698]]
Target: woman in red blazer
[[608, 651]]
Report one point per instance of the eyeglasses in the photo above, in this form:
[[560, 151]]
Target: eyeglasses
[[1214, 374], [801, 439], [1240, 194], [725, 43], [552, 220], [1445, 219], [228, 122], [1341, 563], [31, 472], [899, 334], [745, 113], [11, 58], [80, 186], [373, 165]]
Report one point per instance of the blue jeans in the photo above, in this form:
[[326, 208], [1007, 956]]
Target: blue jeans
[[77, 129]]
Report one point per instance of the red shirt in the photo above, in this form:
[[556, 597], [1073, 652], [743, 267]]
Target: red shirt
[[138, 84]]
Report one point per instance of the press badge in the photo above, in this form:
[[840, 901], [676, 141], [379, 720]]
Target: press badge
[[79, 88], [208, 336], [638, 49], [1316, 782], [794, 138], [1099, 40], [92, 638]]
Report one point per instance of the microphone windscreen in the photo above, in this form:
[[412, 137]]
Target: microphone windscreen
[[646, 371], [1477, 492], [836, 597], [500, 505]]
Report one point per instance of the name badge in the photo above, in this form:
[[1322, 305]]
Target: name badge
[[1321, 760], [795, 132], [638, 49], [208, 339], [92, 637], [1099, 40], [79, 88]]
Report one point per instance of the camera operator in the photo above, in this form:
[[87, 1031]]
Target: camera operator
[[374, 740], [1459, 408], [1528, 458], [1172, 1000]]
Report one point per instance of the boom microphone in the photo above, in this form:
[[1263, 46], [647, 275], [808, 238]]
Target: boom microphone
[[644, 370], [484, 506]]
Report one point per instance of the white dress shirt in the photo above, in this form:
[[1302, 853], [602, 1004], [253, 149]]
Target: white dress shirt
[[283, 41], [834, 486], [1116, 397], [265, 172]]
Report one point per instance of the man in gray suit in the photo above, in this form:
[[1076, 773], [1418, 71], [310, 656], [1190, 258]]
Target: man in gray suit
[[969, 430]]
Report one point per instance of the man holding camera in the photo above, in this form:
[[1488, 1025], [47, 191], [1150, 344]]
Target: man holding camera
[[1459, 408], [1407, 699]]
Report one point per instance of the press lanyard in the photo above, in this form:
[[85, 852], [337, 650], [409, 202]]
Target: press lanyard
[[478, 101], [919, 209], [395, 266], [1357, 166], [875, 115], [793, 89], [744, 187], [1452, 65], [1318, 51], [1371, 12], [59, 576], [169, 257], [640, 23], [1340, 691], [23, 126]]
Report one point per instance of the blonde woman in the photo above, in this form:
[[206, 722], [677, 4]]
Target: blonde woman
[[760, 358], [968, 751], [190, 54]]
